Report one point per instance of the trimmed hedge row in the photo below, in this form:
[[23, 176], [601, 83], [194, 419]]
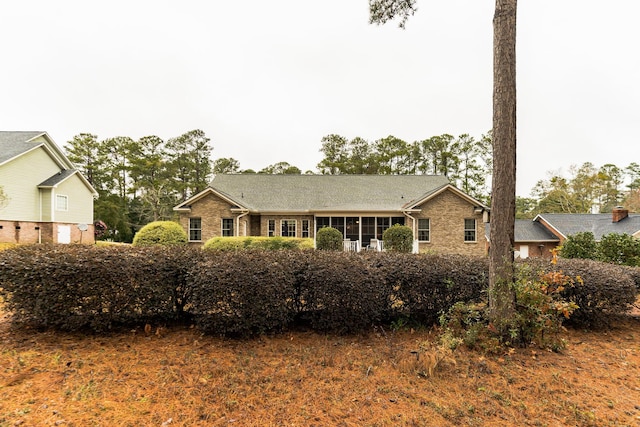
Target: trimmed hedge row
[[71, 287], [600, 289], [74, 287], [268, 243]]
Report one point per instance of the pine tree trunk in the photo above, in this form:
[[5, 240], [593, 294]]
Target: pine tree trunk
[[503, 189]]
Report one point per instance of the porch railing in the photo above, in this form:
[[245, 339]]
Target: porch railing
[[352, 245]]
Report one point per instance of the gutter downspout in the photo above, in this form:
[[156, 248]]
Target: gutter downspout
[[244, 213], [413, 227]]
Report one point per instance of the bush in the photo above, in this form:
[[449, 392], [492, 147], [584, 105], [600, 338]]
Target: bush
[[580, 245], [73, 287], [398, 238], [242, 293], [162, 233], [601, 290], [340, 292], [621, 249], [421, 287], [258, 242], [329, 239]]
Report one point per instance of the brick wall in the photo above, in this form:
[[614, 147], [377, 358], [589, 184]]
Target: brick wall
[[41, 232], [447, 212], [211, 209]]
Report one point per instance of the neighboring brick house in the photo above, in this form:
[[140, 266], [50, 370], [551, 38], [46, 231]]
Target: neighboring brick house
[[47, 199], [538, 237], [443, 218]]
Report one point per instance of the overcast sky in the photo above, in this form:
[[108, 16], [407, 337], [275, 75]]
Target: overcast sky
[[266, 80]]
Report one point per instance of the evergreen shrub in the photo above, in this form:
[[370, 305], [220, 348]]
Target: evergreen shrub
[[258, 242], [398, 238], [163, 233], [72, 287], [329, 239]]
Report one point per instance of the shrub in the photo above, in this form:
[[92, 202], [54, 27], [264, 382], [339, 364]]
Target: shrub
[[73, 287], [398, 238], [580, 245], [620, 249], [258, 242], [242, 293], [329, 239], [340, 292], [601, 290], [634, 273], [421, 287], [540, 312], [162, 233]]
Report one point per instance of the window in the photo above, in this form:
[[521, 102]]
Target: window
[[227, 227], [62, 203], [195, 229], [382, 225], [305, 228], [288, 228], [322, 221], [271, 228], [424, 227], [470, 230]]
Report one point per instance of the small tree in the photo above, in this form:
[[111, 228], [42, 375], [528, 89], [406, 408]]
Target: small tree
[[329, 239], [580, 245], [398, 238], [162, 233]]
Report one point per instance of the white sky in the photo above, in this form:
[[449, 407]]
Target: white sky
[[266, 80]]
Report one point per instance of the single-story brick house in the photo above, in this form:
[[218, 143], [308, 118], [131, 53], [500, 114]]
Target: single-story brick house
[[537, 237], [443, 218], [46, 199]]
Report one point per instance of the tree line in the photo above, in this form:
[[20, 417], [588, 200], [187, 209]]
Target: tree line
[[139, 181], [587, 189]]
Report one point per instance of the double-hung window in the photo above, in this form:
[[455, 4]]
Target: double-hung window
[[227, 227], [470, 230], [305, 228], [271, 227], [195, 229], [424, 229]]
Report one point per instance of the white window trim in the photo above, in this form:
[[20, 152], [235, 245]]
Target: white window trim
[[222, 229], [475, 230], [66, 203], [429, 229], [274, 231], [295, 226]]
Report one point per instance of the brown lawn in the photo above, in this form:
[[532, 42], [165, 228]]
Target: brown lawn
[[180, 378]]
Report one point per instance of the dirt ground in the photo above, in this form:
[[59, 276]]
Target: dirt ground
[[177, 377]]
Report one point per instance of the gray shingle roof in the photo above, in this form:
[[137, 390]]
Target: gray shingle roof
[[57, 178], [13, 144], [300, 193], [598, 224], [527, 230]]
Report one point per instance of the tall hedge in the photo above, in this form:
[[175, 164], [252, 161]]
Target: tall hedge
[[71, 287], [242, 293], [421, 287]]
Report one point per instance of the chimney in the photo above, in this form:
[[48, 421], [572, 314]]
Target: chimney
[[619, 213]]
